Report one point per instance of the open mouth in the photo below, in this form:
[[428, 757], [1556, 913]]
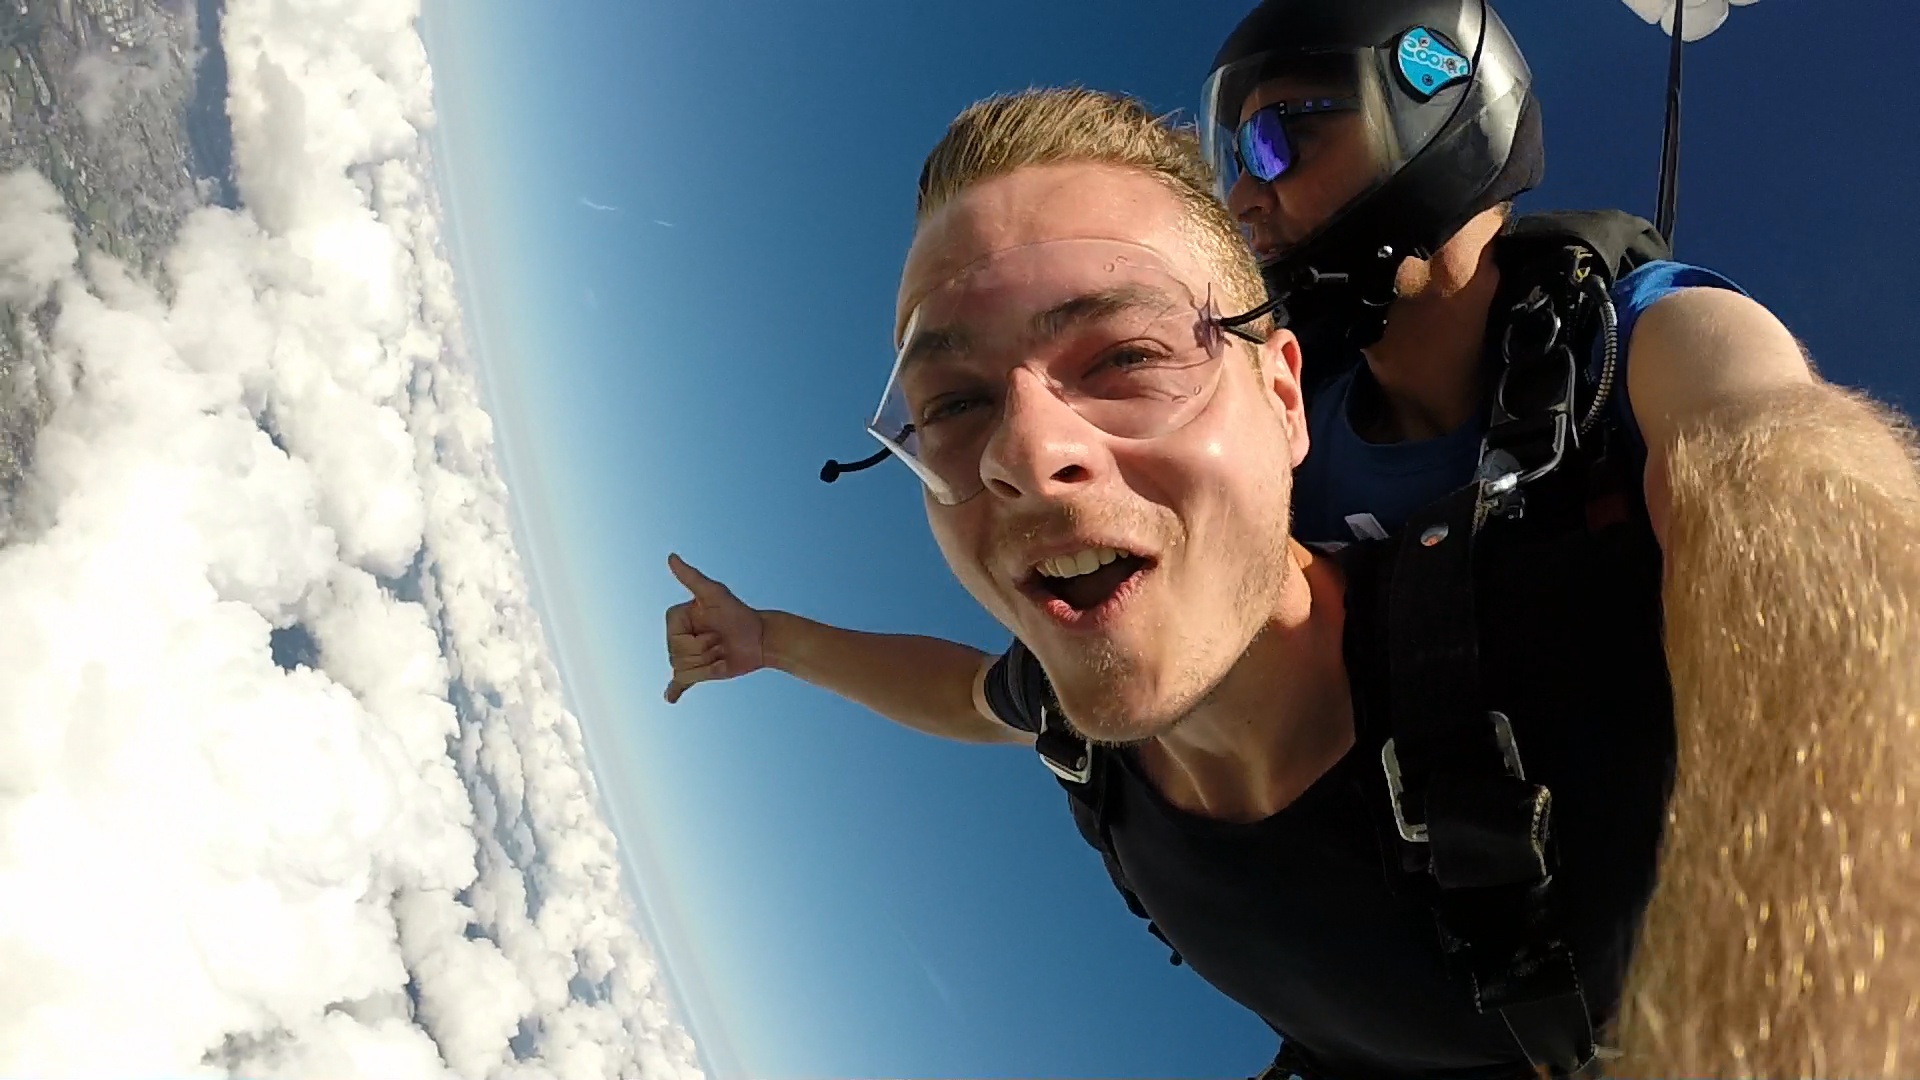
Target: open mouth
[[1087, 583]]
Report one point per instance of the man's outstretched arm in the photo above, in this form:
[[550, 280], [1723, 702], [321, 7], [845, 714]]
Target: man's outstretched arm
[[1783, 938], [924, 683]]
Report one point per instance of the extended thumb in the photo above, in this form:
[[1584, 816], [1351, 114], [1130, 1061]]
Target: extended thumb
[[696, 582]]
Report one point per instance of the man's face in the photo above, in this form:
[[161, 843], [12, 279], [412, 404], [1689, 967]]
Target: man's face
[[1198, 516], [1337, 157]]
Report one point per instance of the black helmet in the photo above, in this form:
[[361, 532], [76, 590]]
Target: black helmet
[[1447, 99]]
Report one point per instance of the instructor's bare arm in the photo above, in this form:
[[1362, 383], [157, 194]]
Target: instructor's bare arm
[[934, 686], [1783, 938]]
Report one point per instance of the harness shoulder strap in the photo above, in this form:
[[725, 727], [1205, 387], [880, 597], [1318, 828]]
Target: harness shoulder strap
[[1620, 241], [1086, 772], [1472, 829]]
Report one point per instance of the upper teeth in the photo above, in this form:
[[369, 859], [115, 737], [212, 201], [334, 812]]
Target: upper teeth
[[1084, 562]]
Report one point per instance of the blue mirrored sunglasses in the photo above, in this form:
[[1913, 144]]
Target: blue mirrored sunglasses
[[1262, 146]]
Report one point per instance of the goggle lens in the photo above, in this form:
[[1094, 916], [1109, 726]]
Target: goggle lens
[[1265, 151], [1263, 144]]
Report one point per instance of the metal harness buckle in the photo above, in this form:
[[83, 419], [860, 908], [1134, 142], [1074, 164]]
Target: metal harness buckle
[[1415, 832], [1076, 767]]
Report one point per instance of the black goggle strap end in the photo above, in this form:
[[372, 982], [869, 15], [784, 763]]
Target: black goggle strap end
[[832, 470]]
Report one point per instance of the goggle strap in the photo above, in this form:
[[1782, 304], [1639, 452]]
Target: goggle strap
[[1232, 323]]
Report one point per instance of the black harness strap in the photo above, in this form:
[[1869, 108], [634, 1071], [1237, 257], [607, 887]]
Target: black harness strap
[[1086, 772], [1466, 814], [1469, 820]]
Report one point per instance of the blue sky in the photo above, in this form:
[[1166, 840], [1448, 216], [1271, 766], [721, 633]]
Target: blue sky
[[838, 897]]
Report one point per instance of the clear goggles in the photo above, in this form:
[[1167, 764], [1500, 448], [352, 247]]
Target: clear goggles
[[1102, 326]]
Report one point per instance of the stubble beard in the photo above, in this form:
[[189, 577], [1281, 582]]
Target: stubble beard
[[1201, 667]]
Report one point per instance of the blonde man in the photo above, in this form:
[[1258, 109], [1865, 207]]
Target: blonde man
[[1107, 454]]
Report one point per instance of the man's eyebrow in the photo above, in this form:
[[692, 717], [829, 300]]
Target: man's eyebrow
[[1099, 304], [937, 343], [952, 342]]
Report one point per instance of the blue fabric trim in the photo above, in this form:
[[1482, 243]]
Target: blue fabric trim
[[1642, 288]]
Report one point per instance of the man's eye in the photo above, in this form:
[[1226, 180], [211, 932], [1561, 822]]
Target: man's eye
[[947, 407], [1306, 130], [1129, 357]]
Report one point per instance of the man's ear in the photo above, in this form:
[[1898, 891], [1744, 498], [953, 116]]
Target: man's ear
[[1280, 361]]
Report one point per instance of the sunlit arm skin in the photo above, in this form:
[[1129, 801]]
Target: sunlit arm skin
[[933, 686], [930, 685], [1783, 938]]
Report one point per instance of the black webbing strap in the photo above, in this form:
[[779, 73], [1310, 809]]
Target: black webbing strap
[[1092, 802], [1086, 773], [1467, 815], [1470, 823]]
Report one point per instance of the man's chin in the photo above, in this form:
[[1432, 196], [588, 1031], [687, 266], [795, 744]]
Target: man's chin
[[1116, 714], [1115, 688]]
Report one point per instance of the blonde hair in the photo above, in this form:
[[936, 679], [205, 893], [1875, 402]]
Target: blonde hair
[[1053, 126], [1783, 938]]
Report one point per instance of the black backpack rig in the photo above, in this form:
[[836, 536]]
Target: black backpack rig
[[1473, 834]]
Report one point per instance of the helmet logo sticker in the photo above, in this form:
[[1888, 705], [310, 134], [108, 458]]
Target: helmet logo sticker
[[1429, 65]]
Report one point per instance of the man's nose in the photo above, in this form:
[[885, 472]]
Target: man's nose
[[1250, 200], [1041, 448]]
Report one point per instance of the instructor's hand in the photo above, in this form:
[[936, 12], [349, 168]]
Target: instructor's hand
[[712, 636]]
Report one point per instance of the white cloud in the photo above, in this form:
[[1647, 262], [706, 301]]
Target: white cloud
[[36, 243], [390, 860], [1703, 17]]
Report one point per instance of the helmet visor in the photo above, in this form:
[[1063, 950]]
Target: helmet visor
[[1297, 138], [1103, 327]]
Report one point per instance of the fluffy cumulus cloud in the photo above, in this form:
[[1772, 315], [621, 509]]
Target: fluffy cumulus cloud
[[1702, 17], [287, 788]]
